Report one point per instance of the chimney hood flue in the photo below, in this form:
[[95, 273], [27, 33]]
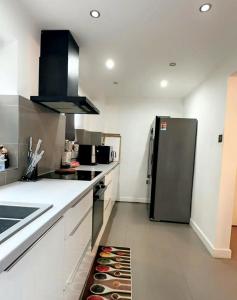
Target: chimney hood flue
[[59, 74]]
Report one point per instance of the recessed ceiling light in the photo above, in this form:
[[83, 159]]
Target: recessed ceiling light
[[205, 7], [172, 64], [95, 14], [109, 63], [164, 83]]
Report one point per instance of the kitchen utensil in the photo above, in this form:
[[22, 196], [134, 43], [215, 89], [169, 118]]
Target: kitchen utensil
[[113, 249], [106, 261], [116, 296], [99, 289], [94, 297], [113, 296], [121, 259], [104, 277], [29, 156], [117, 253], [33, 160], [113, 272], [112, 255]]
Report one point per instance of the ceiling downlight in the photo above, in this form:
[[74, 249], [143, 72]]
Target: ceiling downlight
[[95, 14], [205, 7], [164, 83], [110, 64]]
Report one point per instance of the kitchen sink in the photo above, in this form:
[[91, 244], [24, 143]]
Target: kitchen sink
[[15, 216], [16, 212], [5, 224]]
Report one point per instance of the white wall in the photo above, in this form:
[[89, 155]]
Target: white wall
[[8, 67], [16, 25], [92, 122], [208, 104], [132, 118]]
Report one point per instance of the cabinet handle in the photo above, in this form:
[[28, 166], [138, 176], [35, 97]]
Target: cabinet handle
[[80, 222], [108, 203], [20, 257], [80, 199]]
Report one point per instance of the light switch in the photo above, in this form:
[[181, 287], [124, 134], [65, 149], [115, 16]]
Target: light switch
[[220, 138]]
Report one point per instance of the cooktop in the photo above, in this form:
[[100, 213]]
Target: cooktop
[[79, 175]]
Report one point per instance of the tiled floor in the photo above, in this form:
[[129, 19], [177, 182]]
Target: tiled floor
[[169, 261], [233, 243]]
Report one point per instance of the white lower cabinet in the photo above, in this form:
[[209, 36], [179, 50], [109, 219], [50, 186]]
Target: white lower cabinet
[[79, 277], [111, 193], [78, 237], [57, 265], [38, 273]]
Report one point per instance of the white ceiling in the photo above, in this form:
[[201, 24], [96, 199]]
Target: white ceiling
[[143, 37]]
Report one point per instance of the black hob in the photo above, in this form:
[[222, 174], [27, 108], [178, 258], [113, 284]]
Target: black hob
[[79, 175]]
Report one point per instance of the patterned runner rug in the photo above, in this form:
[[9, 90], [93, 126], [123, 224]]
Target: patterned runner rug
[[110, 277]]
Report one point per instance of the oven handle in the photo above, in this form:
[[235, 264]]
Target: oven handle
[[100, 192]]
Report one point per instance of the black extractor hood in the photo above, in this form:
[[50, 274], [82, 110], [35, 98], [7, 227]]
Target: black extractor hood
[[59, 74]]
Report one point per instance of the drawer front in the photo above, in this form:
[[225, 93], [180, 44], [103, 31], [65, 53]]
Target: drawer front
[[75, 287], [108, 178], [75, 245], [107, 212], [107, 195], [74, 215]]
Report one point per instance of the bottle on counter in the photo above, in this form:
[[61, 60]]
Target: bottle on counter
[[2, 163], [4, 157]]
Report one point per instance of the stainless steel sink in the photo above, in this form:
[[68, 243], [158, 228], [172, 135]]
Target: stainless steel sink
[[15, 216]]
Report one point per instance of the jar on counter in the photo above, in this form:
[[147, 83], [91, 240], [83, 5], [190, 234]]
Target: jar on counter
[[4, 156]]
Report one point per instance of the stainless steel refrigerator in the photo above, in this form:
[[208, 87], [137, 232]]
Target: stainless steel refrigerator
[[172, 144]]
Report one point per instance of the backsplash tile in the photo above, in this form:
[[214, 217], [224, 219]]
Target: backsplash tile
[[9, 124], [2, 178], [41, 123], [31, 119]]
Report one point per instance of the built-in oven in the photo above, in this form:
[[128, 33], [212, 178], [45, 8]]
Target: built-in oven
[[98, 209]]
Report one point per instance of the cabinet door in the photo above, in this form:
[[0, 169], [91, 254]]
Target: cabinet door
[[75, 287], [115, 179], [75, 246], [39, 273]]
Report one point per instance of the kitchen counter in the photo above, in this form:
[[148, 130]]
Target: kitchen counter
[[61, 194]]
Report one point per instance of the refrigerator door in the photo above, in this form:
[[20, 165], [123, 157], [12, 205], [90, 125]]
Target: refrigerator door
[[150, 169], [174, 172]]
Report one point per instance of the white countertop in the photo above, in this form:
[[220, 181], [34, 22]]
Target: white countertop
[[62, 194]]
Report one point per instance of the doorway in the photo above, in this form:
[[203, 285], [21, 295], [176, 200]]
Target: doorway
[[227, 219]]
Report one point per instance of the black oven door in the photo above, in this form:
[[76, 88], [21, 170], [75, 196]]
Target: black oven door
[[98, 210]]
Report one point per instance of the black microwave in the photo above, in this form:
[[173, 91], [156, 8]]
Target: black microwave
[[104, 154]]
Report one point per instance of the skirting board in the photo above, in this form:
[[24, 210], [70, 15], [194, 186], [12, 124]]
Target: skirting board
[[133, 200], [215, 252]]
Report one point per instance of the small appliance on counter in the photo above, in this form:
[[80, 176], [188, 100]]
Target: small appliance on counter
[[105, 154], [86, 155]]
